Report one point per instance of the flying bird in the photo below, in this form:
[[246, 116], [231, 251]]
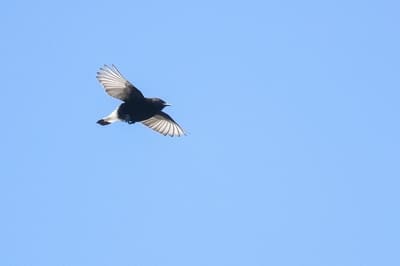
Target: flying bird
[[135, 107]]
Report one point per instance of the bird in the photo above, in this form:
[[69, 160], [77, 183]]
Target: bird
[[135, 107]]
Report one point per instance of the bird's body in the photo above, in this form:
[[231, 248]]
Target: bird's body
[[139, 110], [136, 107]]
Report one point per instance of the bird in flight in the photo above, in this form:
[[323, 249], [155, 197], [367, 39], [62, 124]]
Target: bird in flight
[[135, 107]]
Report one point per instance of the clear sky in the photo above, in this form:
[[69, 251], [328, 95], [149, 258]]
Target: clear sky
[[292, 157]]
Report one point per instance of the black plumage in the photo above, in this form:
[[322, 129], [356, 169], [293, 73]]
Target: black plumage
[[136, 107]]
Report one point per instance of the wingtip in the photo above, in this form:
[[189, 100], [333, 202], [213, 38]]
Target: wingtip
[[183, 134]]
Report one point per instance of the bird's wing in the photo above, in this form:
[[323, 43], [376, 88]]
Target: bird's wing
[[116, 85], [164, 124]]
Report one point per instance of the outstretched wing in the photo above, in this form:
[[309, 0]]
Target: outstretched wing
[[116, 85], [164, 124]]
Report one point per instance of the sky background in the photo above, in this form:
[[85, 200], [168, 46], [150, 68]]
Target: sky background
[[292, 156]]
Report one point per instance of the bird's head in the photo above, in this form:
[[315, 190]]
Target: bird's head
[[160, 103]]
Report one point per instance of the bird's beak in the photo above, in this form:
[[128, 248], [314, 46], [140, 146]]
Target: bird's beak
[[167, 104]]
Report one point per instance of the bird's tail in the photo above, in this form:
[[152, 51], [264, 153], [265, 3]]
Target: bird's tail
[[111, 118]]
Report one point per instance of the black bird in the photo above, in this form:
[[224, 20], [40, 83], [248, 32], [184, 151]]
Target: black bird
[[136, 107]]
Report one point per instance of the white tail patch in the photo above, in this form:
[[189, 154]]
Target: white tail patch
[[113, 117]]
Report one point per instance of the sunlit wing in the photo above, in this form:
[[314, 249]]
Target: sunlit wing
[[164, 124], [116, 85]]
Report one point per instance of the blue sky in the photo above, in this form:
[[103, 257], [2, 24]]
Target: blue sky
[[293, 152]]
